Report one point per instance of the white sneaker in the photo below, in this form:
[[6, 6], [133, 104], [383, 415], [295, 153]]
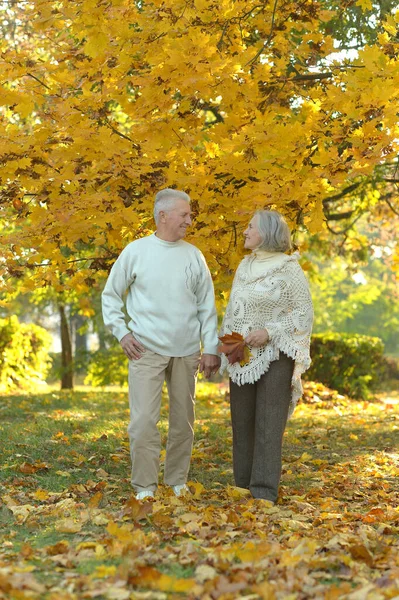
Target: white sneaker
[[144, 494], [180, 490]]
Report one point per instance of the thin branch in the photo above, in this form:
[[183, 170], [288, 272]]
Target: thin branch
[[317, 76], [122, 135], [308, 77], [269, 37], [105, 122], [340, 216], [237, 20], [248, 13], [345, 192], [219, 45], [179, 137], [344, 231], [38, 80], [161, 35], [386, 198], [75, 260]]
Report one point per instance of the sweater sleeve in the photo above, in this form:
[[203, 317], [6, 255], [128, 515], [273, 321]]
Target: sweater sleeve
[[120, 279], [290, 331], [206, 310]]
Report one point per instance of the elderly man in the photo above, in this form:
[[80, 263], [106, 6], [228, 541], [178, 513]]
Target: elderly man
[[171, 307]]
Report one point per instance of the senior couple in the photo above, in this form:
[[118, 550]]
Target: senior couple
[[171, 311]]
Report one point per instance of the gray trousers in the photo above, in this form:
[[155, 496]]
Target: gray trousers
[[259, 414]]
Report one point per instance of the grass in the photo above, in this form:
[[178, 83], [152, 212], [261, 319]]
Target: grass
[[70, 529]]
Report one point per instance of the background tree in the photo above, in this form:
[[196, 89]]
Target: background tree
[[362, 299]]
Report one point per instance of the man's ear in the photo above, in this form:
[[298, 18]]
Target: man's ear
[[162, 215]]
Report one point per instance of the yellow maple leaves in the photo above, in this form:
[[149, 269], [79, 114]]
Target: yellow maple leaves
[[106, 104], [365, 4]]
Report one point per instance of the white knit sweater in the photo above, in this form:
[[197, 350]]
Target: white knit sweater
[[170, 299], [270, 292]]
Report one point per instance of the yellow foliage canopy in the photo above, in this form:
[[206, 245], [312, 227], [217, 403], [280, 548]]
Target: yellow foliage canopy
[[240, 104]]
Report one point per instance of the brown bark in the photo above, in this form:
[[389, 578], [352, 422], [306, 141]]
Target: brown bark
[[66, 351]]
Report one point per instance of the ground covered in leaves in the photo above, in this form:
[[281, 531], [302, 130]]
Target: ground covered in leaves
[[70, 527]]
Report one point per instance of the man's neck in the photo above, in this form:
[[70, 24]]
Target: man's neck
[[161, 235]]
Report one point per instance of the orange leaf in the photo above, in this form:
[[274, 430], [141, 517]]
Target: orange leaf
[[58, 548], [95, 500], [234, 347], [17, 204], [27, 468], [136, 510], [360, 552]]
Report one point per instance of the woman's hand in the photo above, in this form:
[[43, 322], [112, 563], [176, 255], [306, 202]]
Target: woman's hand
[[257, 338]]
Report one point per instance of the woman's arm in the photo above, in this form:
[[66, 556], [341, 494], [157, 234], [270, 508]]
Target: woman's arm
[[291, 329]]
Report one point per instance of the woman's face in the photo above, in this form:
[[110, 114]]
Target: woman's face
[[251, 234]]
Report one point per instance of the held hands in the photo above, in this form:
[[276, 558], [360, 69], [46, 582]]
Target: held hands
[[131, 347], [257, 338], [209, 364]]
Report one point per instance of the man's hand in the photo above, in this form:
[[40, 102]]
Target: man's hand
[[257, 338], [131, 347], [209, 364]]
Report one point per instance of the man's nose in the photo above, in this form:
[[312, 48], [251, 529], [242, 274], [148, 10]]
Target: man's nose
[[189, 221]]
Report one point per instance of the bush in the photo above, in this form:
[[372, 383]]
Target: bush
[[81, 362], [24, 354], [350, 363], [108, 367], [391, 368]]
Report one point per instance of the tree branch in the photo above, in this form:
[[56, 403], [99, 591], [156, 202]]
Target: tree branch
[[317, 76], [269, 37], [340, 216], [105, 122], [38, 80], [387, 200], [345, 192], [344, 231]]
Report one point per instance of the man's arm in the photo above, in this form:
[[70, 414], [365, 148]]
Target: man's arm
[[112, 307], [210, 360]]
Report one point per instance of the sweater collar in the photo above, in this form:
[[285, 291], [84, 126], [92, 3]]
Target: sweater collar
[[164, 243], [264, 255]]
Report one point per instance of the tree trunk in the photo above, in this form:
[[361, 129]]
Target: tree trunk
[[66, 351], [81, 342], [101, 339]]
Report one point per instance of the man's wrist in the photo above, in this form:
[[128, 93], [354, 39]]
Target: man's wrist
[[211, 350]]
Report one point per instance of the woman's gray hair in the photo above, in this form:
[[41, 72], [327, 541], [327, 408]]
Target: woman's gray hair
[[165, 200], [274, 231]]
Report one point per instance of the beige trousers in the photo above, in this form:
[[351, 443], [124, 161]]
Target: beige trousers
[[146, 378]]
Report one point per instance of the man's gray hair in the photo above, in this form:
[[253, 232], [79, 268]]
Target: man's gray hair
[[165, 200], [274, 231]]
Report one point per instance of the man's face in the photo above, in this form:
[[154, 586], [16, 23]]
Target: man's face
[[176, 220]]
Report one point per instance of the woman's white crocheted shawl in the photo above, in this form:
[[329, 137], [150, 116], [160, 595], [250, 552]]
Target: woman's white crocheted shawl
[[278, 300]]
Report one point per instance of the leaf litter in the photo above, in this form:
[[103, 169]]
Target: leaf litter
[[333, 533]]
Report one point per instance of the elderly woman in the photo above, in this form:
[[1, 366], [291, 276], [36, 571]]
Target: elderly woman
[[271, 307]]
